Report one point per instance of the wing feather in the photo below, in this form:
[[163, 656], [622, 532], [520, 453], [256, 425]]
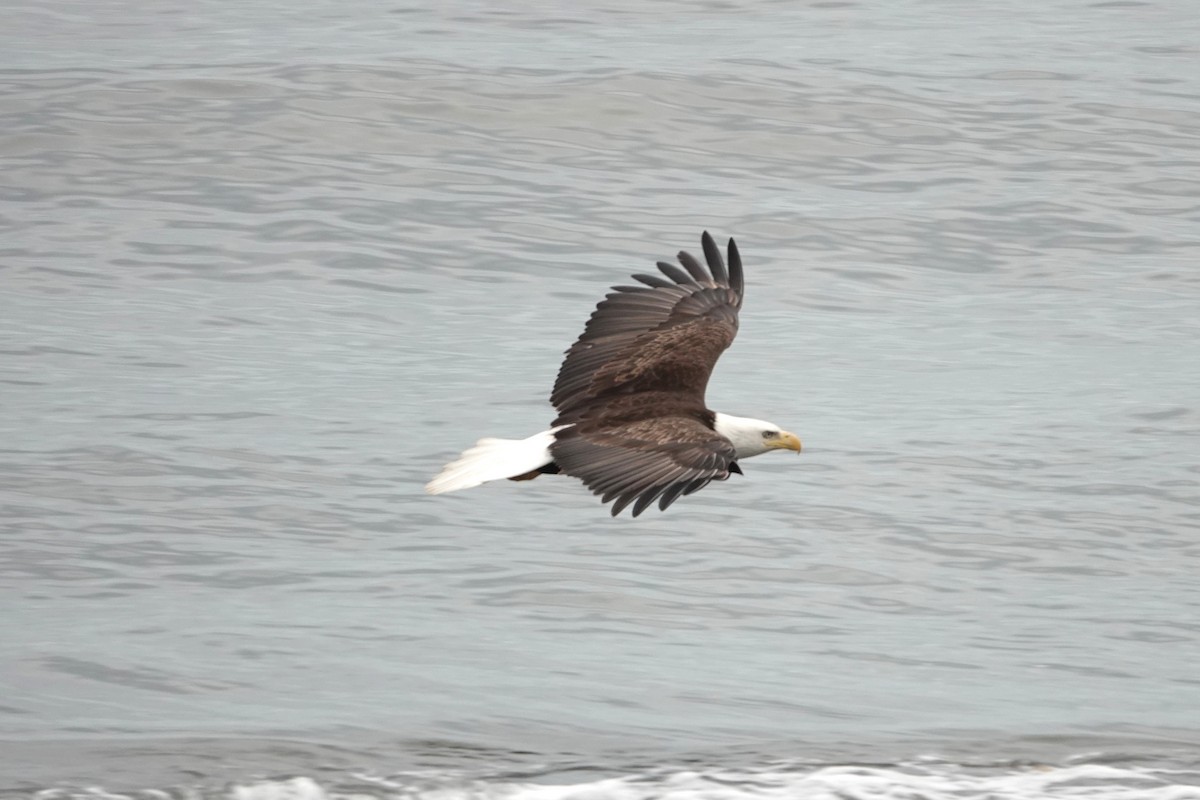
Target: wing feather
[[676, 274], [671, 494], [736, 280], [664, 336], [712, 254], [698, 273], [643, 461], [653, 280]]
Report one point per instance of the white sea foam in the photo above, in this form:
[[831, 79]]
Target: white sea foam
[[937, 782]]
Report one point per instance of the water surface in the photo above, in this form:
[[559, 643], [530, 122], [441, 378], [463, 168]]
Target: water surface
[[265, 269]]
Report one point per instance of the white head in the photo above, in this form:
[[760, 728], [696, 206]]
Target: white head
[[752, 437]]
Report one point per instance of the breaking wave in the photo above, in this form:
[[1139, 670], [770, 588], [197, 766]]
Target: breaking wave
[[912, 781]]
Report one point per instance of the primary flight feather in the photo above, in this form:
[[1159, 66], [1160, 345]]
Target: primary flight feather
[[632, 423]]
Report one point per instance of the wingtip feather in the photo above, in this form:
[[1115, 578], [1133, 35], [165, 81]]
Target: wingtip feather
[[653, 281], [736, 277], [676, 274]]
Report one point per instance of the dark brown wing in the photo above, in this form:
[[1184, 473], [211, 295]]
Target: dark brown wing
[[651, 459], [664, 336]]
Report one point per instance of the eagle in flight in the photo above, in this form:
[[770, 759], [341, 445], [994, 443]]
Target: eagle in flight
[[632, 423]]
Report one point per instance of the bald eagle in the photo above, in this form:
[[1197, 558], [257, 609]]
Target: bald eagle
[[632, 423]]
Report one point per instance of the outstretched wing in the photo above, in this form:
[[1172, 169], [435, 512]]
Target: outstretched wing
[[651, 459], [663, 336]]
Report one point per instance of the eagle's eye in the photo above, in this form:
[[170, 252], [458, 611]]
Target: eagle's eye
[[770, 434]]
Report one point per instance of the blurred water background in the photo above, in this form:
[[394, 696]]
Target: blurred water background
[[265, 267]]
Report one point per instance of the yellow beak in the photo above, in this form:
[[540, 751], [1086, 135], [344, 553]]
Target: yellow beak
[[788, 441]]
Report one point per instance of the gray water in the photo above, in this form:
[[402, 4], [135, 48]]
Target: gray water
[[266, 267]]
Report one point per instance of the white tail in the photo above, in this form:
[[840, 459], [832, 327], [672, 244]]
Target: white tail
[[493, 459]]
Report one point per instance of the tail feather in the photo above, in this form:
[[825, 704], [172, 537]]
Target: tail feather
[[493, 459]]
